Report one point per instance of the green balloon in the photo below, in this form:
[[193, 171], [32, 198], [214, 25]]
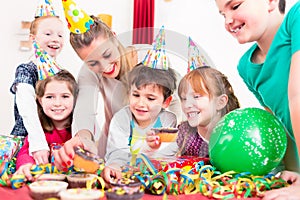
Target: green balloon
[[247, 140]]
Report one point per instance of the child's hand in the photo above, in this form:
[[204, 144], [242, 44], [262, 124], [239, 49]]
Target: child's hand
[[292, 177], [290, 192], [111, 171], [153, 140], [25, 169], [41, 157]]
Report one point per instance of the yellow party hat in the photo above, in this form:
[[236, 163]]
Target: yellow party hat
[[195, 58], [78, 21], [44, 8], [46, 64], [156, 57]]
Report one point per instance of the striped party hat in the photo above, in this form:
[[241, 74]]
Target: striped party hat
[[78, 21], [195, 58], [46, 64], [156, 57], [44, 8]]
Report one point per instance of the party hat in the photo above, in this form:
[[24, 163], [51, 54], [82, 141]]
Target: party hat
[[44, 8], [156, 57], [195, 58], [46, 64], [78, 21]]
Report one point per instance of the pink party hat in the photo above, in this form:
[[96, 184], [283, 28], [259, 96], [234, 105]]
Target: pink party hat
[[195, 58], [78, 21], [156, 57], [44, 8], [46, 64]]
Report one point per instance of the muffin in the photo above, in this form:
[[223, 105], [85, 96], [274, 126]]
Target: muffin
[[85, 161], [81, 194], [46, 189], [166, 134], [125, 188], [51, 177], [80, 180]]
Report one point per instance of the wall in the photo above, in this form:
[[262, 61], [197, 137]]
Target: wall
[[198, 19]]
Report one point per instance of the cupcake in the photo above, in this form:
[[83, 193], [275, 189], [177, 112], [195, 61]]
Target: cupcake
[[85, 161], [51, 177], [125, 188], [166, 134], [46, 189], [80, 180], [81, 194]]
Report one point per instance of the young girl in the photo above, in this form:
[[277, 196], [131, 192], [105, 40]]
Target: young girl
[[149, 95], [47, 30], [106, 63], [206, 96], [55, 99], [270, 67]]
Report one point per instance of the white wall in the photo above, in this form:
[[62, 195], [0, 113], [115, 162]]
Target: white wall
[[198, 19]]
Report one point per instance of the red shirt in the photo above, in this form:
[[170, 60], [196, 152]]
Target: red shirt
[[56, 136]]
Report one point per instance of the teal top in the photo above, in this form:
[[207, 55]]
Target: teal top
[[268, 81]]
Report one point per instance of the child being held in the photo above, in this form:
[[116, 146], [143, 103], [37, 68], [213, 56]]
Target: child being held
[[150, 92]]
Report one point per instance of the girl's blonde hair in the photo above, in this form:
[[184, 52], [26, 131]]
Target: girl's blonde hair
[[209, 81], [35, 23], [98, 29], [63, 76]]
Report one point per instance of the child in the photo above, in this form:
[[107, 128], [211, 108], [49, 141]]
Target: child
[[55, 99], [270, 68], [47, 30], [206, 95], [150, 93], [288, 193]]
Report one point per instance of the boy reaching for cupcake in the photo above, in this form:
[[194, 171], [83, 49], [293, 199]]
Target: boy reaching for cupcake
[[150, 91]]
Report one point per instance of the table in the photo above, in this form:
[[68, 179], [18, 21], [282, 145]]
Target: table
[[23, 194]]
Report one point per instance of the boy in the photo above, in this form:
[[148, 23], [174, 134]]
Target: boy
[[150, 93]]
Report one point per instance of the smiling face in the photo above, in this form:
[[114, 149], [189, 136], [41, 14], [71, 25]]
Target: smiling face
[[246, 20], [198, 108], [57, 102], [49, 33], [102, 57], [146, 103]]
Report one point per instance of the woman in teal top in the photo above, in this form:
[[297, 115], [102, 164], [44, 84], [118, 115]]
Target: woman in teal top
[[270, 68]]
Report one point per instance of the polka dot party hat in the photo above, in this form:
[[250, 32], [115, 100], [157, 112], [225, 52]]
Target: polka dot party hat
[[156, 57], [44, 8], [195, 58], [46, 64], [78, 21]]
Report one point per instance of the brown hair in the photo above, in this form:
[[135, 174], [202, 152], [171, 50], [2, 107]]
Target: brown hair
[[209, 81], [281, 6], [98, 29], [35, 23], [141, 76], [63, 76]]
